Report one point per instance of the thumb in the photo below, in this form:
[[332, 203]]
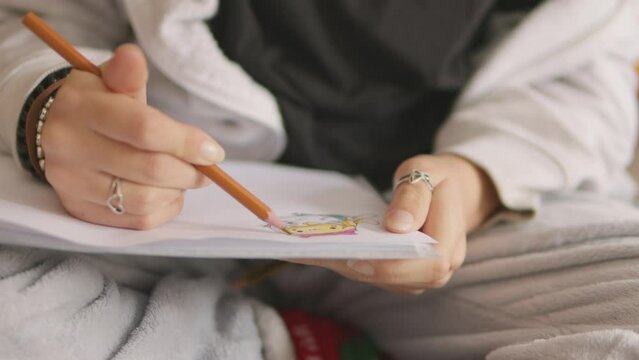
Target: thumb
[[126, 72]]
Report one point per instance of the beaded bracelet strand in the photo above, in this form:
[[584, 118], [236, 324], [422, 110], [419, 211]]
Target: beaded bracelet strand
[[30, 124], [41, 119]]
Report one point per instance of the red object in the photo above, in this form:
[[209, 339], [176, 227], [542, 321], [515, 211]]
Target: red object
[[314, 338]]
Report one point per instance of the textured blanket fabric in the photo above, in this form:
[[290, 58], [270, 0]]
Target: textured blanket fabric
[[55, 306], [552, 287], [594, 345]]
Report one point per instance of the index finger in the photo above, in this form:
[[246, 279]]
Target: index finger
[[147, 128]]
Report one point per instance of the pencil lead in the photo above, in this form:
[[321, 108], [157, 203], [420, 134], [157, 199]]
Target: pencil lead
[[275, 221], [285, 230]]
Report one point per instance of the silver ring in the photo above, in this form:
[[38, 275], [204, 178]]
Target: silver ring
[[115, 202], [413, 177]]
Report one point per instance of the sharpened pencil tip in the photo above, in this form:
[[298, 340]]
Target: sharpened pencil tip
[[275, 221]]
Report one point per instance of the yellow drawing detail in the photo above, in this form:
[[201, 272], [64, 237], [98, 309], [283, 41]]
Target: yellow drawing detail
[[310, 229], [308, 225]]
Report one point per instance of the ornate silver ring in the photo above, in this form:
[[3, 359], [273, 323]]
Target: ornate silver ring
[[413, 177]]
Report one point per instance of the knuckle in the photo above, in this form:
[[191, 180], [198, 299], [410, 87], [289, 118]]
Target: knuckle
[[180, 201], [440, 270], [201, 181], [152, 201], [458, 260], [178, 205], [144, 222], [143, 127], [190, 136], [145, 200], [154, 167], [457, 264]]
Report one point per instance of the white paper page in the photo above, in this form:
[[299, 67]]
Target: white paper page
[[212, 224]]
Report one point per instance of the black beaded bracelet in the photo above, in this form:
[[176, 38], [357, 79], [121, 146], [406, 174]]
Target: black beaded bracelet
[[21, 140]]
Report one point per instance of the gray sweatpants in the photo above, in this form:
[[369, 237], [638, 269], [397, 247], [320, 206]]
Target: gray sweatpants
[[563, 285]]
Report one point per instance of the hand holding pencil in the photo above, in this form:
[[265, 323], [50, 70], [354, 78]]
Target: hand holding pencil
[[101, 139]]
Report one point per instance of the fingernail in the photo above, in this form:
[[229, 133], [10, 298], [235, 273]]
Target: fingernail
[[400, 220], [361, 266], [211, 152]]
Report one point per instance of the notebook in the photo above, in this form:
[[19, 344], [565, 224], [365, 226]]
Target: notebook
[[330, 215]]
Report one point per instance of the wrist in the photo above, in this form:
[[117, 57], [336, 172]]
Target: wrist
[[30, 122]]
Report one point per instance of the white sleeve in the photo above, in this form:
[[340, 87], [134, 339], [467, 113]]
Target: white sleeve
[[94, 26], [574, 131]]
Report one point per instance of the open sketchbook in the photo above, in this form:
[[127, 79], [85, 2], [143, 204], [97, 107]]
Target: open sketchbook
[[333, 216]]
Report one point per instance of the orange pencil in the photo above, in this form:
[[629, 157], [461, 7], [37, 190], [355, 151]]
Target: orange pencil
[[78, 61]]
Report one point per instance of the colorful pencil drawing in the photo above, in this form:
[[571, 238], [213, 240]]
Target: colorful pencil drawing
[[309, 225]]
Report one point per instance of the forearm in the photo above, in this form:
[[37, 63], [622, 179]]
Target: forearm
[[577, 132], [557, 114]]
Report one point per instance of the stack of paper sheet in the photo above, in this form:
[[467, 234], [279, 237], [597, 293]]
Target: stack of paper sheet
[[333, 216]]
